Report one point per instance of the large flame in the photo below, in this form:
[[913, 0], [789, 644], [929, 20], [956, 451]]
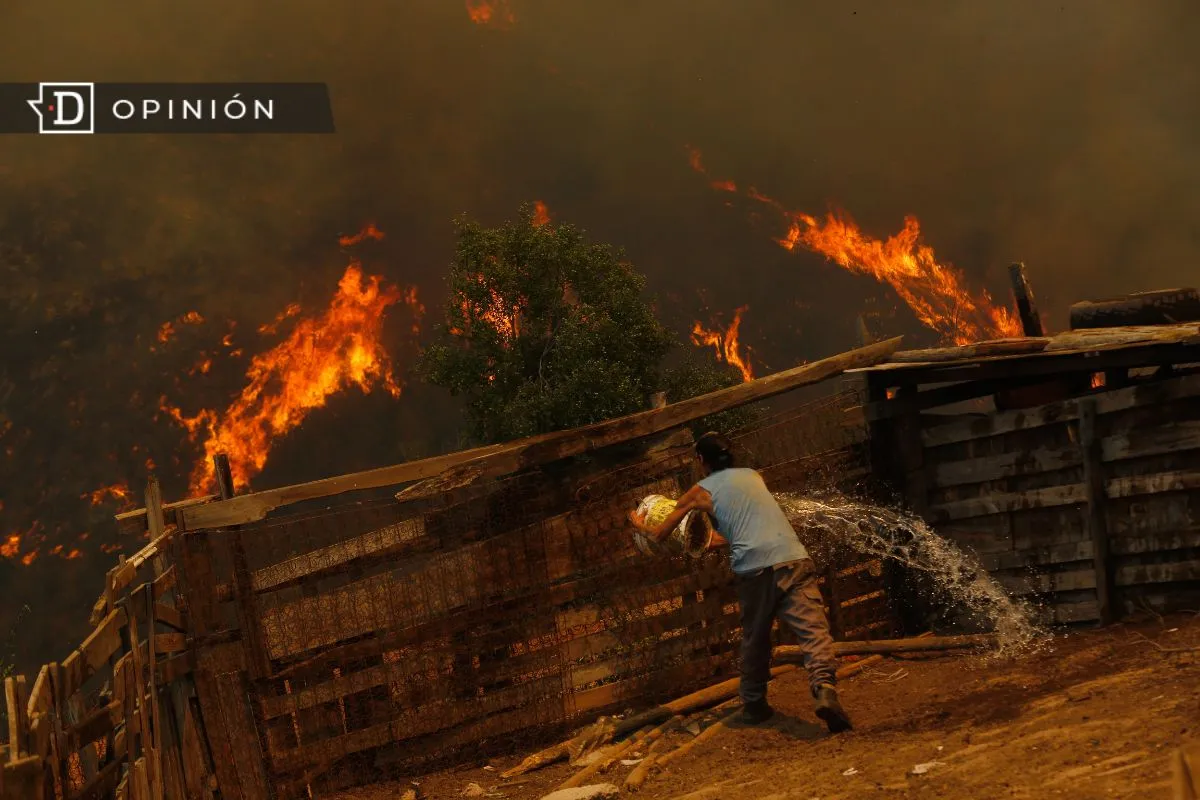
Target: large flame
[[322, 356], [495, 13], [541, 214], [725, 342], [932, 289]]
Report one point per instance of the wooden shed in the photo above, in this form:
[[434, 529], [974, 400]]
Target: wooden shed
[[1069, 463]]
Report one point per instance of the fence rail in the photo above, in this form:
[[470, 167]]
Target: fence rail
[[305, 652]]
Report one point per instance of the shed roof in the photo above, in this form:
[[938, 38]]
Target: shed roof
[[1049, 353]]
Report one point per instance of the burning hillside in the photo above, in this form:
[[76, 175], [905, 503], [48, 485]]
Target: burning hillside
[[323, 355], [934, 290]]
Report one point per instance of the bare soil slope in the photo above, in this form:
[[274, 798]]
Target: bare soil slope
[[1096, 714]]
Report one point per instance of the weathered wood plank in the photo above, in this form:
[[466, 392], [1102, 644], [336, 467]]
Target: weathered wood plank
[[1005, 465], [382, 543], [973, 426], [1156, 542], [507, 458], [170, 616], [17, 701], [1070, 494], [1162, 482], [1039, 556], [1003, 503], [233, 696], [40, 699], [1143, 442], [100, 645], [1099, 349], [1040, 583], [1136, 574], [96, 724], [1173, 437], [216, 732]]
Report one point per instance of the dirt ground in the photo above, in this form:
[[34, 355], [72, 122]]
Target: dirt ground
[[1095, 714]]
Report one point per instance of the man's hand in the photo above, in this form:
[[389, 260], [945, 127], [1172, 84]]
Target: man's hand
[[638, 519]]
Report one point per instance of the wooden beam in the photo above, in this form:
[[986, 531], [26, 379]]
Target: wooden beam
[[15, 696], [134, 522], [1036, 348], [503, 459], [908, 400], [1031, 320], [1085, 358], [155, 521], [973, 426]]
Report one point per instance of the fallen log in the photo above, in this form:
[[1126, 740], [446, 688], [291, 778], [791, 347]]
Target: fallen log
[[603, 760], [708, 733], [850, 670], [703, 698], [919, 644], [654, 716]]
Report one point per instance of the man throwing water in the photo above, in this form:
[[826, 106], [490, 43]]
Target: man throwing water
[[776, 579]]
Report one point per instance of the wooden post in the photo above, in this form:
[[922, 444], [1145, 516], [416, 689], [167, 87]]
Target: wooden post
[[17, 698], [1031, 320], [1097, 516], [257, 660]]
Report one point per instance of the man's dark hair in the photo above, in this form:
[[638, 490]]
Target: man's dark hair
[[715, 450]]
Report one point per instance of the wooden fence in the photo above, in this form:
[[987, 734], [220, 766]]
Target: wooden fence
[[1090, 505], [335, 646], [117, 718]]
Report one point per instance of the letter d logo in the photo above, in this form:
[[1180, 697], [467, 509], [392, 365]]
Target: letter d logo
[[65, 107]]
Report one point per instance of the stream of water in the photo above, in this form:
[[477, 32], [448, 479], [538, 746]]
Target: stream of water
[[955, 578]]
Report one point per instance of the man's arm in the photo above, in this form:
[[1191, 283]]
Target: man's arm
[[694, 498]]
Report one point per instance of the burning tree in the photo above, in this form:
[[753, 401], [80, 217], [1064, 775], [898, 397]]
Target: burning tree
[[544, 330]]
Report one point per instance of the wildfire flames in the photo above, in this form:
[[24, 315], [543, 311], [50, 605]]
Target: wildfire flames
[[726, 343], [495, 13], [541, 214], [933, 290], [118, 492], [322, 356]]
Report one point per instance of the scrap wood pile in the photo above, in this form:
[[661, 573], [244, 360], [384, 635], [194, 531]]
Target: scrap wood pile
[[649, 742]]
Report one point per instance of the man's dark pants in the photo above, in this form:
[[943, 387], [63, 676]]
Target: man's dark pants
[[787, 592]]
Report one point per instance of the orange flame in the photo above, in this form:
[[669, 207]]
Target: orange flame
[[495, 13], [1098, 381], [118, 492], [167, 331], [932, 289], [321, 357], [505, 317], [292, 310], [726, 343], [11, 546], [541, 214], [368, 232]]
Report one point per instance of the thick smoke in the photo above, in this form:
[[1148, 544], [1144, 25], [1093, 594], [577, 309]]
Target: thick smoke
[[1060, 134]]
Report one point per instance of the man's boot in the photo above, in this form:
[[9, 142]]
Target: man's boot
[[756, 712], [830, 710]]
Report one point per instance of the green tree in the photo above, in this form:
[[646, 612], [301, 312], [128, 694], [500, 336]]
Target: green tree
[[701, 374], [544, 330]]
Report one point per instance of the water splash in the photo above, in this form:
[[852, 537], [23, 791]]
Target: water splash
[[956, 579]]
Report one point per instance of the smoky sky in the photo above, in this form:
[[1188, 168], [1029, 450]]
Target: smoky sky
[[1061, 134]]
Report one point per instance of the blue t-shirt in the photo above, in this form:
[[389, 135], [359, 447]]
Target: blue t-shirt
[[758, 532]]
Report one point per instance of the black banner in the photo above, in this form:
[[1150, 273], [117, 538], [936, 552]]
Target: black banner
[[87, 108]]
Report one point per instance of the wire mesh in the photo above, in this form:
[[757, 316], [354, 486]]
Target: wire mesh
[[385, 637]]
